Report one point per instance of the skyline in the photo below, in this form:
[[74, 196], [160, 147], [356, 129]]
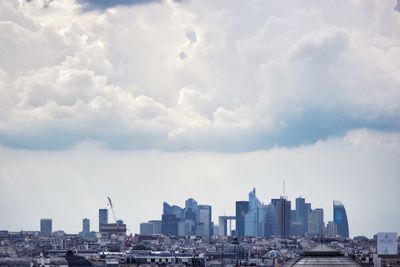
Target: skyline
[[148, 101]]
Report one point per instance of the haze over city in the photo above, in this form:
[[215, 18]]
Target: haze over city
[[148, 101]]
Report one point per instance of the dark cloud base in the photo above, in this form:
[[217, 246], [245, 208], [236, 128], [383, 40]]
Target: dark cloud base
[[104, 4]]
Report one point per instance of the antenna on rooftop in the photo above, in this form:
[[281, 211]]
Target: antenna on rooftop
[[283, 189]]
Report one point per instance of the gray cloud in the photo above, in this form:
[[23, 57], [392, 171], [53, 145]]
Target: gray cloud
[[197, 78], [397, 6], [104, 4]]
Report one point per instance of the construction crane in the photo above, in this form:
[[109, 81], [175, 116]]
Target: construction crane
[[129, 239], [112, 209]]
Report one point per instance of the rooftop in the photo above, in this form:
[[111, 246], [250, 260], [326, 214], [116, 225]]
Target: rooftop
[[324, 256]]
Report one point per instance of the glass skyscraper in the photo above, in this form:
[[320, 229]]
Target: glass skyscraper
[[170, 219], [242, 207], [255, 218], [46, 227], [85, 226], [301, 215], [340, 219], [283, 216], [103, 217], [270, 221]]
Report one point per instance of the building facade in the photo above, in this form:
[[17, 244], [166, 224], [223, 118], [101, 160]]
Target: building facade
[[340, 219], [46, 227], [254, 219], [103, 217], [242, 207], [85, 226], [283, 216]]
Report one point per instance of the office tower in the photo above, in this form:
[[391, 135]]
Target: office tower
[[300, 221], [204, 220], [340, 219], [85, 226], [242, 207], [255, 218], [156, 226], [331, 229], [190, 213], [103, 217], [146, 228], [316, 222], [46, 227], [270, 221], [283, 214], [170, 219]]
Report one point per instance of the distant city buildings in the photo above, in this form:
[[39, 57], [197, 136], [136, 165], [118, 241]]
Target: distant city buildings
[[85, 226], [194, 219], [331, 229], [153, 227], [252, 218], [316, 223], [299, 218], [46, 226], [242, 207], [146, 229], [340, 219], [103, 217], [283, 216]]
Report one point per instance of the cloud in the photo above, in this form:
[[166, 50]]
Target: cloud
[[397, 6], [104, 4], [192, 75]]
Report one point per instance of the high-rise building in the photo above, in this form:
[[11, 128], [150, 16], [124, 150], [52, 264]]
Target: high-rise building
[[331, 229], [157, 228], [85, 226], [300, 221], [242, 207], [103, 217], [270, 221], [146, 228], [204, 219], [340, 219], [191, 211], [170, 219], [316, 222], [46, 227], [283, 215], [254, 220]]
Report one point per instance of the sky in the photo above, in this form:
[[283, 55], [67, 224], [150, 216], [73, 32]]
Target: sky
[[148, 101]]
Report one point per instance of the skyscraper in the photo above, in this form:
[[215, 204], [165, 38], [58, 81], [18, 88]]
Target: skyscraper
[[255, 218], [146, 228], [85, 226], [46, 227], [270, 221], [301, 215], [242, 207], [340, 219], [331, 230], [103, 217], [170, 219], [316, 222], [190, 216], [283, 215], [204, 219], [156, 226]]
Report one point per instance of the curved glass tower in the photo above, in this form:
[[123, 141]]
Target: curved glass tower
[[340, 219]]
